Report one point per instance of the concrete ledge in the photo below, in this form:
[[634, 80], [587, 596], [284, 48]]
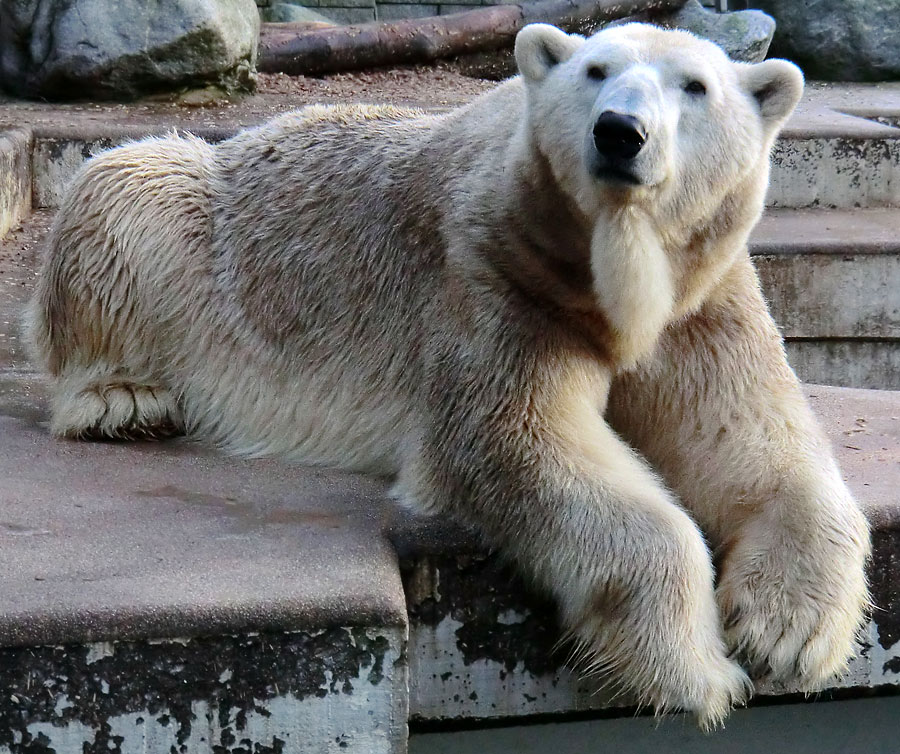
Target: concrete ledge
[[823, 231], [825, 157], [854, 363], [15, 177], [322, 692], [840, 172], [171, 540]]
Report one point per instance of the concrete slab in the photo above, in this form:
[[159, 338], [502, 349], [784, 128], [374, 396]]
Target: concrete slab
[[823, 231], [15, 177], [834, 110], [104, 542], [853, 363]]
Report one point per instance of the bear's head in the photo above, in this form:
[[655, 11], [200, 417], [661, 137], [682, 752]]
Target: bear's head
[[655, 115], [662, 143]]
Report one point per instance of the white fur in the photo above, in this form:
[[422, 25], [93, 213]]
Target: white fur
[[453, 299]]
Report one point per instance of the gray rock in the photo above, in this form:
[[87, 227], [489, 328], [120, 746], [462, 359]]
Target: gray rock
[[838, 40], [745, 35], [71, 49], [281, 13]]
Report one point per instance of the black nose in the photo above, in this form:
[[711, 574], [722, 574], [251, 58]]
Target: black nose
[[618, 137]]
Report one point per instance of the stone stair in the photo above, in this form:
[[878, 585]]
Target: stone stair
[[162, 598], [828, 251]]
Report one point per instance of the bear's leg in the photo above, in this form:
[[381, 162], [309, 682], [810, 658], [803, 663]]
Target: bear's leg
[[720, 413], [534, 468], [108, 404], [86, 331]]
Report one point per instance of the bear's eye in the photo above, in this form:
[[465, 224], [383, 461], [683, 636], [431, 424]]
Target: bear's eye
[[596, 73], [695, 87]]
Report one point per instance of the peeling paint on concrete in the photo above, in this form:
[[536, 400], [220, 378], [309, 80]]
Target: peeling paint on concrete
[[446, 685], [486, 648], [837, 173], [337, 690]]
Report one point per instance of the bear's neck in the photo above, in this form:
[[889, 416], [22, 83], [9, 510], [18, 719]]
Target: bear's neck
[[625, 275], [546, 248]]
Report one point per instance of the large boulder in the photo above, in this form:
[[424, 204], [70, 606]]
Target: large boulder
[[745, 35], [119, 49], [838, 40]]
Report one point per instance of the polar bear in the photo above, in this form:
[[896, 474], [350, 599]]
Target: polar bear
[[536, 312]]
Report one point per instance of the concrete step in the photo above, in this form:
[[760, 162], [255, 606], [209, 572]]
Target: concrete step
[[841, 149], [832, 280]]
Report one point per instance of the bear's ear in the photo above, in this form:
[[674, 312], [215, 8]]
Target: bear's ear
[[539, 47], [777, 86]]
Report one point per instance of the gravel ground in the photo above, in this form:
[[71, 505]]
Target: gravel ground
[[434, 86], [18, 261], [416, 86]]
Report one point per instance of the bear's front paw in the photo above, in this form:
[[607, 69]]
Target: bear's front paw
[[793, 601], [687, 670]]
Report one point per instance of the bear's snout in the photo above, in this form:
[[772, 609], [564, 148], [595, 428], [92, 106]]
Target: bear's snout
[[618, 137]]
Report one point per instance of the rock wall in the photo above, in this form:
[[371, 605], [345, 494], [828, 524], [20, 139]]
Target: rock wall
[[73, 49]]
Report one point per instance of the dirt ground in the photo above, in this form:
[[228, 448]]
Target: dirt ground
[[415, 86], [18, 261]]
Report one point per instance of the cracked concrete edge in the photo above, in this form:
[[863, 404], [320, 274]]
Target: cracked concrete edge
[[16, 149], [343, 689]]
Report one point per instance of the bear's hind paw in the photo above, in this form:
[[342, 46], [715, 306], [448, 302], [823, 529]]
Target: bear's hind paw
[[118, 410]]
